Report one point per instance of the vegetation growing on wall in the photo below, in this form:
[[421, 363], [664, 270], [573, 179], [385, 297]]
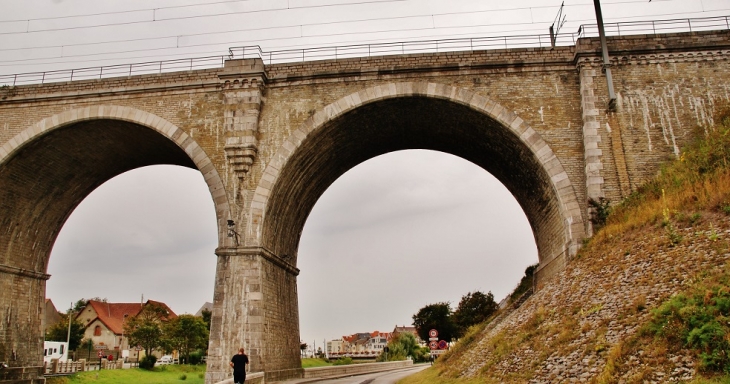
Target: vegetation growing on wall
[[697, 180]]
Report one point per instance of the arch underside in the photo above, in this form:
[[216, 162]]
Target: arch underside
[[414, 122], [44, 181]]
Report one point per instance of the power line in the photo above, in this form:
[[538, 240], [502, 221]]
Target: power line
[[121, 12], [170, 7], [293, 26], [276, 39], [154, 20]]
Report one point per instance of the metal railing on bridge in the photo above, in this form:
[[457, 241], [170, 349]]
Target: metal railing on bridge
[[368, 50]]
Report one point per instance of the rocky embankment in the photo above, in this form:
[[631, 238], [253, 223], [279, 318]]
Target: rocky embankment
[[575, 328]]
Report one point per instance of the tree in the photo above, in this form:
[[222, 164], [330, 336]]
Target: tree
[[145, 329], [186, 333], [303, 348], [474, 308], [435, 316], [403, 345], [59, 332], [206, 317]]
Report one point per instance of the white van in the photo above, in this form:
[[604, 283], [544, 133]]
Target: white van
[[164, 360], [55, 350]]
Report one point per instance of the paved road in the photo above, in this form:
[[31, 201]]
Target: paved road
[[389, 377]]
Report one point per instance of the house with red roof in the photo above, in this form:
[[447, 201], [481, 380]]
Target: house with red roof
[[365, 345], [104, 323], [406, 329]]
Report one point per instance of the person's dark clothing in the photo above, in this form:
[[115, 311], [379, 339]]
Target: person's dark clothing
[[239, 368]]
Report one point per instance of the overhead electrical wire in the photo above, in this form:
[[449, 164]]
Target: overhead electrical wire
[[282, 9], [154, 20], [288, 7], [36, 60], [292, 26]]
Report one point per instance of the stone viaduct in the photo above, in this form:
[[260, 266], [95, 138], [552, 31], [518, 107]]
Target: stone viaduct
[[270, 139]]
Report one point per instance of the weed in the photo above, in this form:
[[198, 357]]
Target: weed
[[698, 319], [600, 210], [183, 377], [713, 235], [726, 208], [591, 310], [639, 303], [693, 218]]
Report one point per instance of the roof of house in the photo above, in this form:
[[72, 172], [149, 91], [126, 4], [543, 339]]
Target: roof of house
[[207, 306], [404, 329], [112, 314], [380, 334]]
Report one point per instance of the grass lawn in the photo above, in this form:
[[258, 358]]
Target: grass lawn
[[194, 374], [311, 363]]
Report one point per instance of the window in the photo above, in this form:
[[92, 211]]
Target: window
[[97, 331], [62, 348]]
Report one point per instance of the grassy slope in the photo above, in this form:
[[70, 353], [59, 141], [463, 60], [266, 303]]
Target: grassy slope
[[671, 235]]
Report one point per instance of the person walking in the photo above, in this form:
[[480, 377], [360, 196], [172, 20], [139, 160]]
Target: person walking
[[238, 363]]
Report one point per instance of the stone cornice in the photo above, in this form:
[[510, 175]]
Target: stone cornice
[[259, 251], [654, 58], [23, 272]]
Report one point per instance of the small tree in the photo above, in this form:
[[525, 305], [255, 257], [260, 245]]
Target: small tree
[[145, 329], [186, 333], [302, 348], [474, 308], [206, 317], [59, 332], [404, 345], [436, 316]]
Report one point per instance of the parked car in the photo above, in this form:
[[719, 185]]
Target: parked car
[[164, 360]]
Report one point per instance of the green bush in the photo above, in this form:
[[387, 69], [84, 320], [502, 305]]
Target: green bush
[[148, 362], [699, 320], [600, 209], [196, 357], [343, 361], [183, 377]]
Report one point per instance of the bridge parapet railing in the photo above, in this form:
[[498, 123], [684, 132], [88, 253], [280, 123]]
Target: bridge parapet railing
[[480, 43], [110, 71], [56, 367], [368, 50], [654, 27], [399, 48]]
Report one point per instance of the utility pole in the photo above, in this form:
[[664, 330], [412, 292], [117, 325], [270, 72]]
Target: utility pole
[[606, 60], [68, 335]]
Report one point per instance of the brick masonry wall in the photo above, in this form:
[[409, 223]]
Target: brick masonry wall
[[21, 329], [667, 85], [668, 89]]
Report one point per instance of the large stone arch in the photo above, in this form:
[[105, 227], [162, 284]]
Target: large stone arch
[[260, 298], [290, 185], [45, 172]]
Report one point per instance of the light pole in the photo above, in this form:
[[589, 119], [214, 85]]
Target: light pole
[[68, 334], [604, 51]]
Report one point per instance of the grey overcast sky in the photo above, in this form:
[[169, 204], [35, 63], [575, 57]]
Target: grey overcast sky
[[393, 234]]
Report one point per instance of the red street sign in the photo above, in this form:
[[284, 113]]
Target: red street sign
[[433, 333], [433, 345], [443, 344]]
